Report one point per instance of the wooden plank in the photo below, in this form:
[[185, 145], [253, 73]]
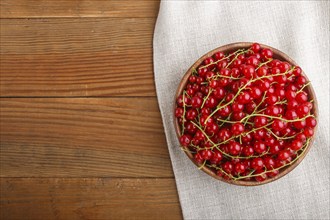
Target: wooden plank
[[73, 35], [99, 198], [82, 137], [76, 57], [74, 8], [83, 74]]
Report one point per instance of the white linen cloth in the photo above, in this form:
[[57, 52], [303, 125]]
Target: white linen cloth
[[185, 31]]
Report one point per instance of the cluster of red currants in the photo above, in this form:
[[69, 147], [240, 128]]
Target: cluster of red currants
[[245, 115]]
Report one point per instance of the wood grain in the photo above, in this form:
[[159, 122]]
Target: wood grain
[[74, 8], [76, 57], [82, 137], [92, 198], [80, 129], [73, 35], [83, 74]]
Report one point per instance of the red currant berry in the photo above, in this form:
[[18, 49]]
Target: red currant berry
[[259, 147], [237, 128], [311, 122], [198, 158], [211, 102], [302, 110], [301, 80], [296, 144], [284, 66], [180, 101], [248, 71], [301, 97], [308, 132], [255, 47], [224, 111], [273, 110], [253, 61], [185, 140], [274, 149], [299, 124], [273, 173], [259, 134], [260, 121], [264, 85], [219, 93], [206, 154], [237, 116], [199, 135], [266, 54], [246, 137], [240, 167], [224, 134], [219, 55], [297, 71], [222, 64], [196, 102], [191, 128], [237, 107], [256, 92], [283, 155], [227, 167], [291, 114], [178, 112], [244, 97], [250, 107], [257, 163], [234, 148], [216, 157], [248, 151], [301, 137], [278, 125], [262, 71], [271, 99], [269, 163], [191, 114]]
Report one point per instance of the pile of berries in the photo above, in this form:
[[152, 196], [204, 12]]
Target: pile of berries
[[245, 115]]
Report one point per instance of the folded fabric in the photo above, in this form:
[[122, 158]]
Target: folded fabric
[[186, 30]]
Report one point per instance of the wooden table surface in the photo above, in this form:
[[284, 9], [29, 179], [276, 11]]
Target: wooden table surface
[[81, 132]]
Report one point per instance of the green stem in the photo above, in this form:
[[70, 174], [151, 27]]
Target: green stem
[[280, 138], [243, 87], [268, 171], [262, 64], [235, 58], [275, 117], [302, 88], [184, 112], [210, 91], [237, 51]]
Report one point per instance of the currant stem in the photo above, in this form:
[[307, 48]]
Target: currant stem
[[237, 51], [235, 57], [275, 117], [184, 112], [243, 87], [208, 95], [285, 165], [202, 165], [302, 88], [280, 138], [224, 142], [262, 64]]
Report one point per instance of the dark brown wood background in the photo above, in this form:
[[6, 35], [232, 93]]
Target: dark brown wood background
[[81, 133]]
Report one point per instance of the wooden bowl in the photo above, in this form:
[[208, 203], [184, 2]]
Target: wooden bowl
[[277, 55]]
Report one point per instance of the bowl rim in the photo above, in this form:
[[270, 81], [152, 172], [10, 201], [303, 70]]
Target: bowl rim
[[277, 54]]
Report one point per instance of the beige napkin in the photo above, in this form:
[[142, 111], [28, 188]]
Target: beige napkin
[[185, 30]]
